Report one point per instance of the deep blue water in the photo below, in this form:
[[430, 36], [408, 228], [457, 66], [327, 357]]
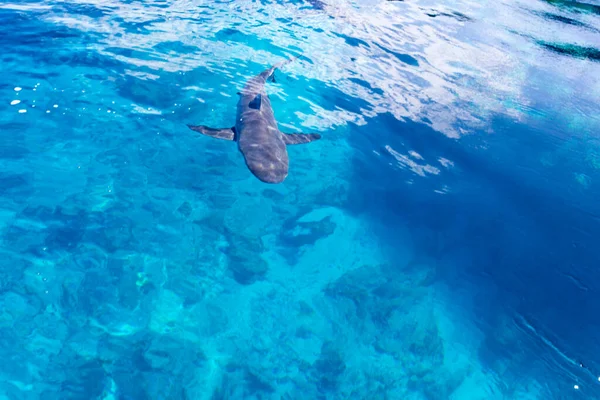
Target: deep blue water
[[439, 242]]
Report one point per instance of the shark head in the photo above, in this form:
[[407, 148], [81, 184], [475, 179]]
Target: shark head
[[268, 165]]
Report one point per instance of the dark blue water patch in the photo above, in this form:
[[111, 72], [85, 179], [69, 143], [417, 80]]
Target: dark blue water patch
[[11, 183], [236, 35], [575, 6], [110, 232], [495, 225], [403, 137], [85, 378], [65, 236], [367, 85], [84, 58], [144, 27], [128, 365], [149, 93], [33, 34], [62, 232], [352, 41], [69, 50], [175, 47], [561, 19], [572, 50], [133, 53], [240, 382], [329, 95], [405, 58], [11, 273], [454, 15], [88, 10], [313, 4], [317, 4], [39, 39]]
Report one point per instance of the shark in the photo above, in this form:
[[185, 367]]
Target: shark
[[256, 131]]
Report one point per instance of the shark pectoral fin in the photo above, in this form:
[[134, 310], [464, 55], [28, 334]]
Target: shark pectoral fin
[[299, 138], [224, 133], [255, 103], [272, 77]]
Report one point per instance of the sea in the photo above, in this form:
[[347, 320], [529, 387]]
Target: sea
[[441, 241]]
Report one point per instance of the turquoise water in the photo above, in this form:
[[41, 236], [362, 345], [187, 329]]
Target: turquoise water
[[439, 241]]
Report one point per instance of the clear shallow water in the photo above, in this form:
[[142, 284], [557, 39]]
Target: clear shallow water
[[439, 242]]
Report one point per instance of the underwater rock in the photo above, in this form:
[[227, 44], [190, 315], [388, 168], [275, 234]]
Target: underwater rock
[[245, 260], [329, 367], [239, 382], [13, 306], [306, 230], [207, 319], [247, 271], [167, 354], [296, 234], [373, 293], [112, 231], [10, 278], [84, 379], [185, 209], [167, 313], [82, 344], [421, 271], [357, 283], [250, 217]]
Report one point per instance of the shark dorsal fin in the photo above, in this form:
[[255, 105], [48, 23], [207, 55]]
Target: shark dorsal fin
[[255, 103]]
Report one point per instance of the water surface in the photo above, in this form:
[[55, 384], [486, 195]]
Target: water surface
[[439, 242]]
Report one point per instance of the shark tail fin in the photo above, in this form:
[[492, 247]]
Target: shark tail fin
[[269, 73]]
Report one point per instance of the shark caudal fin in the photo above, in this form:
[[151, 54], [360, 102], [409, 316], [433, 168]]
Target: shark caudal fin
[[269, 73]]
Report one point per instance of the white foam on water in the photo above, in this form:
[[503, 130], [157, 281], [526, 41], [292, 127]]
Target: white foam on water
[[15, 102], [22, 111], [18, 89], [140, 110]]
